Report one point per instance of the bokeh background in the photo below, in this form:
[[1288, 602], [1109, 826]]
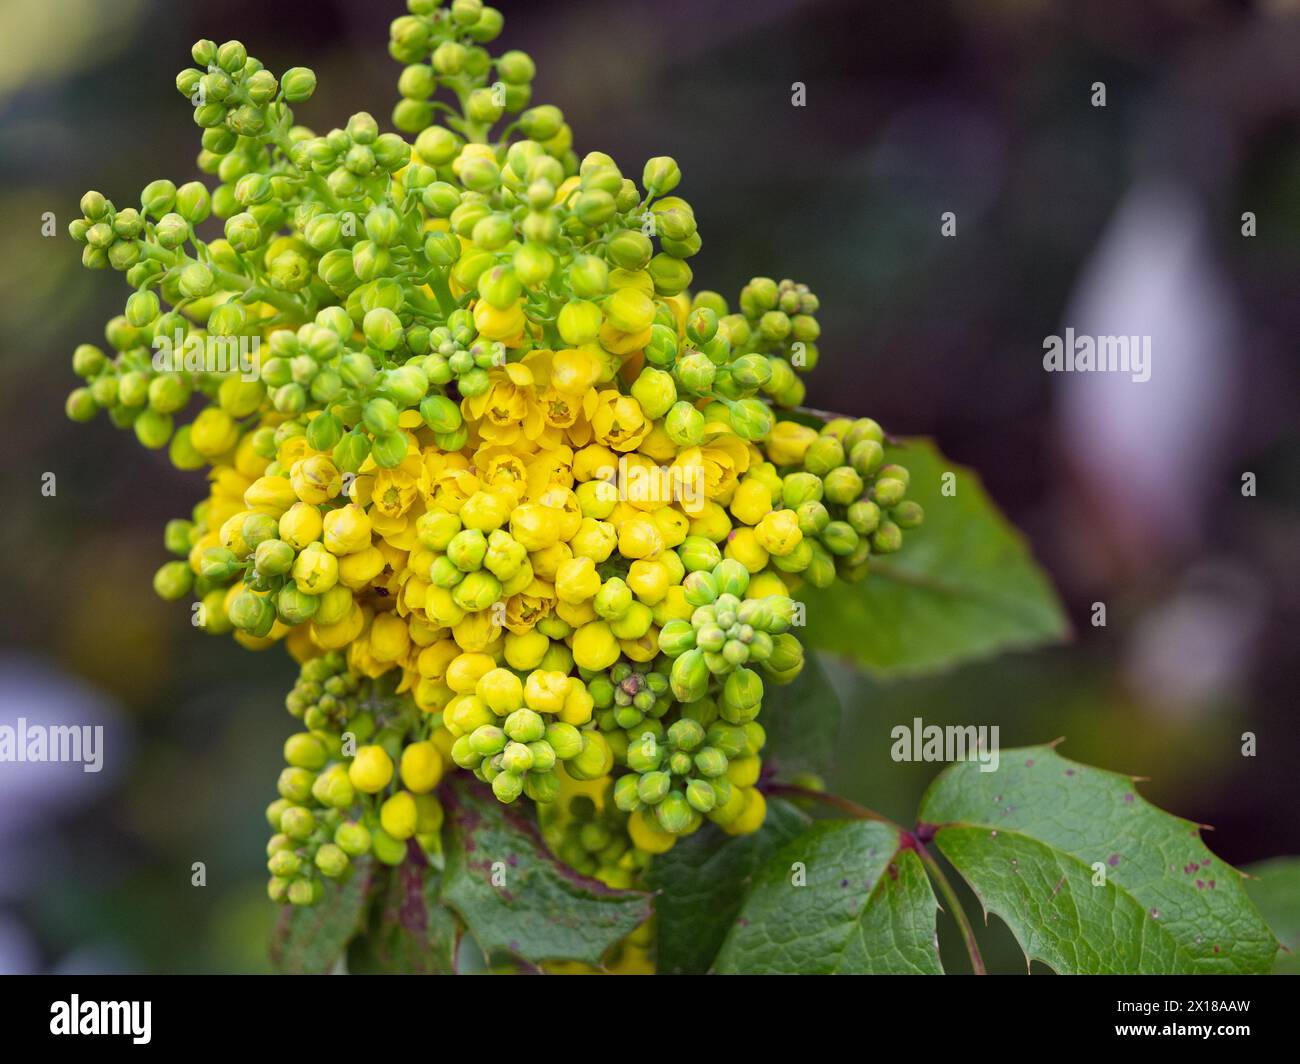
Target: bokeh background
[[1124, 219]]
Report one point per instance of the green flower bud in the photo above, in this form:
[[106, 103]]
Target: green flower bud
[[626, 795], [661, 175], [695, 372], [588, 276], [298, 84], [515, 67], [516, 759], [839, 538], [889, 491], [701, 796], [629, 249], [331, 860], [294, 606], [699, 554], [594, 760], [351, 451], [294, 784], [690, 676], [525, 726], [661, 350], [655, 391], [751, 419], [670, 274], [352, 838], [487, 740], [653, 787], [173, 580], [467, 549], [541, 123], [824, 454], [644, 755], [387, 850], [250, 612], [908, 514], [153, 429], [887, 538], [564, 739], [731, 577], [843, 485], [243, 232], [866, 456], [477, 591], [80, 405], [128, 224], [507, 786], [542, 787], [863, 517], [684, 424], [813, 517], [674, 814]]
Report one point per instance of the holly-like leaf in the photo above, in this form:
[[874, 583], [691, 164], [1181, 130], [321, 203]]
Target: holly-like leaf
[[516, 898], [310, 940], [700, 886], [964, 586], [411, 931], [802, 721], [1089, 876], [1274, 886], [866, 908]]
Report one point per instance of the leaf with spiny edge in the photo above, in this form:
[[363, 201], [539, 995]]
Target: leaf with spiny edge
[[1089, 876]]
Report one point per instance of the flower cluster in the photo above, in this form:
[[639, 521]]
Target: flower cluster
[[516, 500]]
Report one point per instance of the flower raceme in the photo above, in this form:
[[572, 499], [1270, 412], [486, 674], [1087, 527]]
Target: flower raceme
[[517, 501]]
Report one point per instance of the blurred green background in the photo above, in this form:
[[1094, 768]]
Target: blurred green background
[[1122, 219]]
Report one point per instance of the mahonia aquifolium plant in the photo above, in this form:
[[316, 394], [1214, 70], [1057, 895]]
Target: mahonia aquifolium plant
[[515, 499]]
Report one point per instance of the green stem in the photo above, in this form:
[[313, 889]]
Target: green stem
[[442, 290], [858, 812], [956, 910]]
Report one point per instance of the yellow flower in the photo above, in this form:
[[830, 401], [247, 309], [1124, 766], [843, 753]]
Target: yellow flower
[[594, 646], [789, 442], [272, 495], [752, 501], [500, 411], [546, 691], [576, 580], [504, 325], [778, 532], [346, 530], [525, 609], [300, 524], [394, 491], [618, 421], [315, 479], [389, 637]]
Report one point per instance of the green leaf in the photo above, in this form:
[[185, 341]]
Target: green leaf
[[310, 940], [1089, 876], [866, 909], [410, 932], [964, 586], [542, 910], [1275, 888], [802, 721], [701, 884]]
